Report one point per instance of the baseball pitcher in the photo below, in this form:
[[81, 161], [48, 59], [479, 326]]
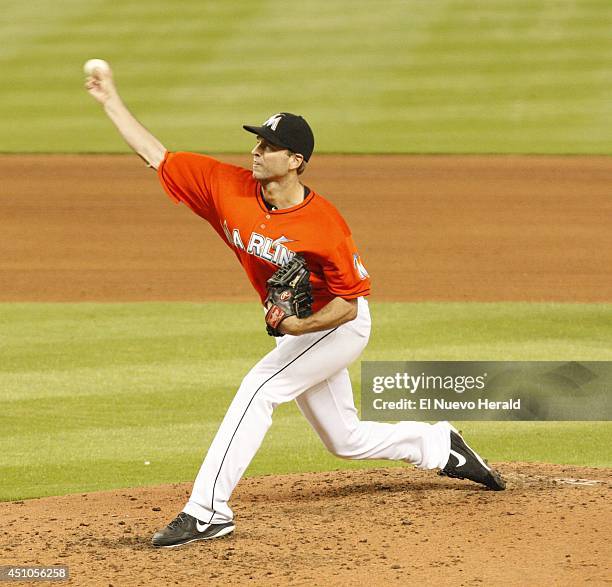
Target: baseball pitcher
[[300, 257]]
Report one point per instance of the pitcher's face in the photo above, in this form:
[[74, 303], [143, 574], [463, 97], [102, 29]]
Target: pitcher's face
[[271, 162]]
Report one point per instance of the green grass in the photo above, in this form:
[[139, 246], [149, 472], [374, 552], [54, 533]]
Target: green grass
[[89, 392], [504, 76]]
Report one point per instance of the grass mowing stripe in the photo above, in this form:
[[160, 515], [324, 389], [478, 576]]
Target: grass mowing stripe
[[423, 77], [88, 392], [120, 379]]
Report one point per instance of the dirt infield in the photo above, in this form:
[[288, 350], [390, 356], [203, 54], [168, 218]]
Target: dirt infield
[[429, 228], [372, 527]]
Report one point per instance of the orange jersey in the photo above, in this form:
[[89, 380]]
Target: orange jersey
[[230, 199]]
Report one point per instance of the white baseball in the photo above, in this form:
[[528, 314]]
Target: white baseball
[[93, 64]]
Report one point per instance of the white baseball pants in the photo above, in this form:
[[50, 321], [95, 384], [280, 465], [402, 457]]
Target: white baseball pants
[[311, 369]]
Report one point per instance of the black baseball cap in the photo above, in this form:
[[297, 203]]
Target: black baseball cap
[[286, 130]]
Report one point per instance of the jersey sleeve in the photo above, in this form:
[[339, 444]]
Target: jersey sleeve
[[344, 272], [190, 178]]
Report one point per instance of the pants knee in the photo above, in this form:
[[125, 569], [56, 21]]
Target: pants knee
[[348, 447]]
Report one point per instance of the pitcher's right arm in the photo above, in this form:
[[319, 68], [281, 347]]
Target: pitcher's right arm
[[101, 87]]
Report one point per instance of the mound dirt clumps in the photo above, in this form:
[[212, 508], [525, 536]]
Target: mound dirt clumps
[[393, 526]]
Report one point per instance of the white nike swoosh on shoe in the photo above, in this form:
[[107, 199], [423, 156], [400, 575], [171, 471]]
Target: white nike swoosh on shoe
[[201, 527], [462, 460]]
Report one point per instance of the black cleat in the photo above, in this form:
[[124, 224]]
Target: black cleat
[[185, 528], [464, 463]]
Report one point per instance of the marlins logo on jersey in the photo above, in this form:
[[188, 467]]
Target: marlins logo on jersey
[[272, 250]]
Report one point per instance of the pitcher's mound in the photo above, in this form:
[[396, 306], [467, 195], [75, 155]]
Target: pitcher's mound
[[364, 527]]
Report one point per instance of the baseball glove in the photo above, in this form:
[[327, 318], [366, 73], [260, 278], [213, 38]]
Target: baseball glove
[[289, 294]]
